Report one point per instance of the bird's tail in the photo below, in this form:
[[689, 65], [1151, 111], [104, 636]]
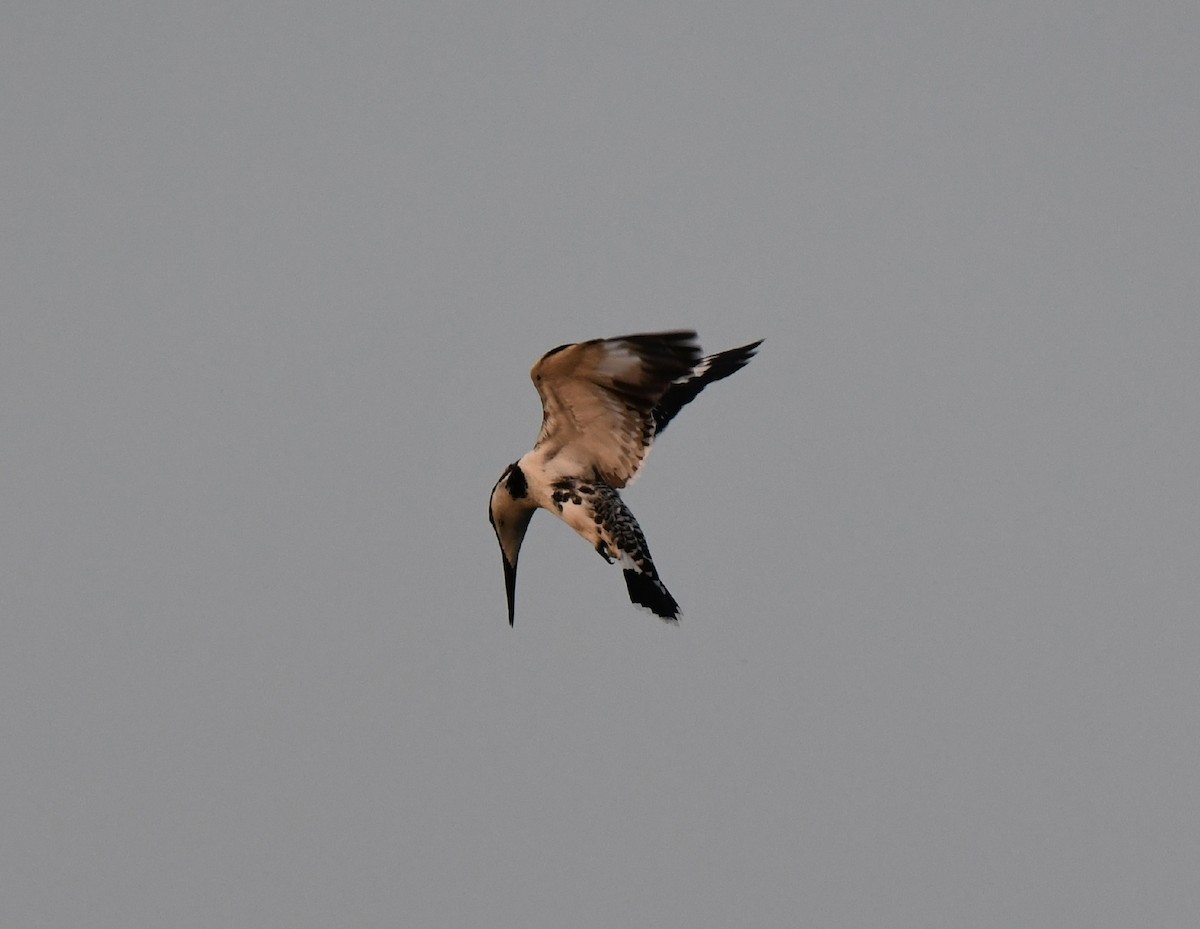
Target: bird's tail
[[645, 589]]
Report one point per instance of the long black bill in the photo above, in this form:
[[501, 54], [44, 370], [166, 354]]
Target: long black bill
[[510, 587]]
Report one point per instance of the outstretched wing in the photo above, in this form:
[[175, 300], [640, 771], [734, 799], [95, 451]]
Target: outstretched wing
[[711, 368], [598, 398]]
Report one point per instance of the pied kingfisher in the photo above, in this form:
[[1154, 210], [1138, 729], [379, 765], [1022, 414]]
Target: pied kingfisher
[[603, 403]]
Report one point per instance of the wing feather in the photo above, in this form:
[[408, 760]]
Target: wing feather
[[711, 368], [598, 398]]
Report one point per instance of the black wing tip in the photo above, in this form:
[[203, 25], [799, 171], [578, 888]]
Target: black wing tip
[[715, 368], [723, 364], [649, 592], [678, 349]]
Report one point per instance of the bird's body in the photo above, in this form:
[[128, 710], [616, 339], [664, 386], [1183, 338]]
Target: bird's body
[[603, 403]]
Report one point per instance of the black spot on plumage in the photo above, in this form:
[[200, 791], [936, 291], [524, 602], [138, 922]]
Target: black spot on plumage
[[515, 482]]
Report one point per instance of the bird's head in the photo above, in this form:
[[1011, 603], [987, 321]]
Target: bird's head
[[509, 511]]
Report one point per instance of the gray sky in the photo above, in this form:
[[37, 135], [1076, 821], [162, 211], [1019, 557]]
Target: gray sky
[[274, 276]]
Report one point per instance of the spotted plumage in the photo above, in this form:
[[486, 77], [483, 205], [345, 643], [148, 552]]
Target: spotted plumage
[[603, 403]]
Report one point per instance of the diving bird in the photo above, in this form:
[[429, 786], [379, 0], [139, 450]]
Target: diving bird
[[603, 404]]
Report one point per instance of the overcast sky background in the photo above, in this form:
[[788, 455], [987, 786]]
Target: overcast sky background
[[273, 278]]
